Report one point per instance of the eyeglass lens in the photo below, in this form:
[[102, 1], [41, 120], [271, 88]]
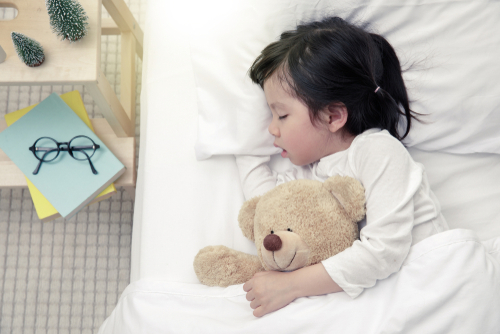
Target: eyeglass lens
[[82, 148], [46, 149]]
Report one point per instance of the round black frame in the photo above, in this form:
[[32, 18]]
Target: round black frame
[[64, 147]]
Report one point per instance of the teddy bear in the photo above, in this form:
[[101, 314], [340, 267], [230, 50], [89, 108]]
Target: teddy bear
[[296, 224]]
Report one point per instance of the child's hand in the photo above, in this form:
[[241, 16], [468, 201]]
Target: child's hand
[[269, 291]]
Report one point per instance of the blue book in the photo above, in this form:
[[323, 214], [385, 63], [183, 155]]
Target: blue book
[[67, 183]]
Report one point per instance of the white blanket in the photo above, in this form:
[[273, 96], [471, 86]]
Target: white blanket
[[450, 283]]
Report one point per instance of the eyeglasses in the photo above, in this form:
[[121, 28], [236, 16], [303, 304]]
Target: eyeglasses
[[47, 149]]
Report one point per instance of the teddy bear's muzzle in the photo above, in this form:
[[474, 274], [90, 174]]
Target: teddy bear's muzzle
[[284, 251]]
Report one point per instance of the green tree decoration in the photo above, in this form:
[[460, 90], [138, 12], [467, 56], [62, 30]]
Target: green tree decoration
[[68, 19], [28, 50]]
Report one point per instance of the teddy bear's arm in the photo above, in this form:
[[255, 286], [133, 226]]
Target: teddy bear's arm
[[222, 266]]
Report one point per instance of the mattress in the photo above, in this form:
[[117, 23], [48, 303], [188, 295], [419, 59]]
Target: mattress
[[184, 204], [175, 192]]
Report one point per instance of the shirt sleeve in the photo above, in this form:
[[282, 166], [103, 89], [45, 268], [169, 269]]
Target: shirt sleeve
[[257, 177], [390, 178]]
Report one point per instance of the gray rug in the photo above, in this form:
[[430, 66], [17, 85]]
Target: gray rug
[[64, 276]]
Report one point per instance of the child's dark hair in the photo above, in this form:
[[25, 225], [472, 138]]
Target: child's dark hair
[[331, 61]]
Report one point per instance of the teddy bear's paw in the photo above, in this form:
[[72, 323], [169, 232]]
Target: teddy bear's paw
[[222, 266], [350, 194]]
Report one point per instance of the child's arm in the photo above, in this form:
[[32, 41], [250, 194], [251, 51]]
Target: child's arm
[[269, 291], [255, 175], [391, 179], [257, 178]]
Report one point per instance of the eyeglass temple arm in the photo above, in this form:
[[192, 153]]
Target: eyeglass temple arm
[[37, 167], [88, 158], [41, 159]]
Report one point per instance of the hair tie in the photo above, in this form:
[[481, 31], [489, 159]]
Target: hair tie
[[376, 90]]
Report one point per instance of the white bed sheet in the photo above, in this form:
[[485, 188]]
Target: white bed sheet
[[183, 204], [444, 277]]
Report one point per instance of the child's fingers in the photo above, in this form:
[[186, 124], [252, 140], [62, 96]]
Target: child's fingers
[[248, 285], [250, 296], [254, 304], [259, 312]]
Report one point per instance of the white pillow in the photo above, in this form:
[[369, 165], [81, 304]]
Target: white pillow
[[454, 45]]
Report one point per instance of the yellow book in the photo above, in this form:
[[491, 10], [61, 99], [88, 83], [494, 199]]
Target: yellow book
[[45, 211]]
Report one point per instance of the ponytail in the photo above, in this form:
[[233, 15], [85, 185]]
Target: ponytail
[[392, 93], [332, 61]]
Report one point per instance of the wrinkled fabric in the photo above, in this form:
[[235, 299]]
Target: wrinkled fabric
[[449, 283]]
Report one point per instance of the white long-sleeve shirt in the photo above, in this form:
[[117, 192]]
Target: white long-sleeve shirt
[[401, 209]]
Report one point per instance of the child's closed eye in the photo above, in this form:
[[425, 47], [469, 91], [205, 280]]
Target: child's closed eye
[[282, 117]]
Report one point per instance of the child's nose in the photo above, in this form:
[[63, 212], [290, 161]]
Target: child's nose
[[273, 129]]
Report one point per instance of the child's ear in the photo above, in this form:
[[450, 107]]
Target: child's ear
[[337, 116]]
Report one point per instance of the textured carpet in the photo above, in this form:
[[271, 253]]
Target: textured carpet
[[64, 276]]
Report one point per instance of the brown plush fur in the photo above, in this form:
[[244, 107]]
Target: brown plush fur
[[314, 221]]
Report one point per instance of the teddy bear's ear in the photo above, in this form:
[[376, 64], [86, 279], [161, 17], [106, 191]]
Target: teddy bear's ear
[[350, 193], [246, 217]]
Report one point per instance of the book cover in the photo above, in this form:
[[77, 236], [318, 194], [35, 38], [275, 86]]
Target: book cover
[[46, 211], [68, 184]]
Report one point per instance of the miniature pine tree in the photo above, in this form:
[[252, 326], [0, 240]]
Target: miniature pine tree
[[28, 50], [68, 19]]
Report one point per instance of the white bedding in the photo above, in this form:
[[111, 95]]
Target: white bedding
[[183, 205], [180, 198], [449, 283], [452, 46]]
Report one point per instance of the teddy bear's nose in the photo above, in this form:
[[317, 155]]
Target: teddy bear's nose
[[272, 242]]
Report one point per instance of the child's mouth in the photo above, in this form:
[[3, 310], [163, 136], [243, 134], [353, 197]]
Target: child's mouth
[[284, 153]]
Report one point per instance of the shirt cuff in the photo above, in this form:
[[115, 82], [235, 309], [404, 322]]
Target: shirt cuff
[[337, 276]]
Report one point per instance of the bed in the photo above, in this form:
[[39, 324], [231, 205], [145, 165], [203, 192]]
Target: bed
[[199, 109]]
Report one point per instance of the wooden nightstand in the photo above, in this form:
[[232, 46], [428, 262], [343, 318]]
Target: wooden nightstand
[[78, 63]]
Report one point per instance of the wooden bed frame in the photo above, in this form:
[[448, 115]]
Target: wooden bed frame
[[78, 63]]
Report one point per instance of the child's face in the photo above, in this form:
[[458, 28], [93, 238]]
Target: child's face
[[301, 141]]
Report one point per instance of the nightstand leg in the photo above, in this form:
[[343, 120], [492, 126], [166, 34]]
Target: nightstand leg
[[128, 78], [125, 21], [111, 108], [130, 191]]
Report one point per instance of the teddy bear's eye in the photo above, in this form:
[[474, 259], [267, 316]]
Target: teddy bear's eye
[[289, 229], [272, 232]]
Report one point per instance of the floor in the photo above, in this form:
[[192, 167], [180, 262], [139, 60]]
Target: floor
[[64, 276]]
